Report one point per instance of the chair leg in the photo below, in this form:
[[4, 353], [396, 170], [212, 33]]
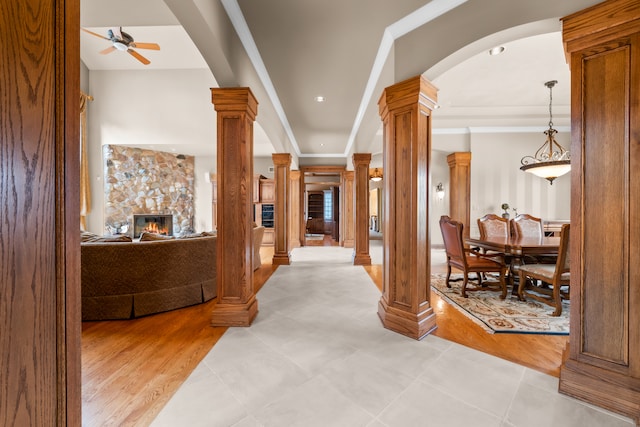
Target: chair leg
[[448, 276], [521, 284], [503, 283], [557, 299], [464, 286]]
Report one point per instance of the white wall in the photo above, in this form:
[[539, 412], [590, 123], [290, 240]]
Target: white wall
[[167, 108], [261, 166], [157, 109], [204, 165], [496, 178], [439, 173]]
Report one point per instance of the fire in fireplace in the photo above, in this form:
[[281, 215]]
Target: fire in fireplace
[[155, 223]]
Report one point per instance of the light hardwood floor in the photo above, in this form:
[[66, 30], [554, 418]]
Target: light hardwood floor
[[131, 368]]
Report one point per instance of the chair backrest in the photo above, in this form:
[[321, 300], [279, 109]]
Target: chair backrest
[[492, 225], [452, 237], [563, 264], [525, 225]]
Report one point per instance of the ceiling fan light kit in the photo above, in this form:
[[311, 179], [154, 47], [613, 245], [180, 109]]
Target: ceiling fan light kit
[[124, 42]]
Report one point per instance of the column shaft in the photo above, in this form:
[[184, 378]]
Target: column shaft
[[281, 163], [361, 163], [236, 301], [406, 109]]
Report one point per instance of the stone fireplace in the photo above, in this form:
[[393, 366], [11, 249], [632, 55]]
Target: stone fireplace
[[150, 183], [158, 224]]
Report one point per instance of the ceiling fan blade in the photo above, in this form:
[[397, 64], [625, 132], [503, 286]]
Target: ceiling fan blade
[[107, 50], [152, 46], [94, 34], [139, 57]]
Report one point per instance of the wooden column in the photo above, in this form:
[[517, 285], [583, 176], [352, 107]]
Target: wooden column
[[602, 363], [348, 216], [460, 188], [281, 163], [295, 210], [361, 163], [40, 319], [236, 301], [405, 109]]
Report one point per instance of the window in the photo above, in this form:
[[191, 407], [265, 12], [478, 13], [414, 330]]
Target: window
[[328, 205]]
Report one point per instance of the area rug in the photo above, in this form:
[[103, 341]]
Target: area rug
[[315, 237], [502, 316]]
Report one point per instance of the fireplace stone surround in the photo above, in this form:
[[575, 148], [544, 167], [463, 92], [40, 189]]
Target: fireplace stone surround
[[147, 182]]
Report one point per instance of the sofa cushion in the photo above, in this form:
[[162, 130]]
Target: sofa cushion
[[147, 237], [86, 236], [190, 235]]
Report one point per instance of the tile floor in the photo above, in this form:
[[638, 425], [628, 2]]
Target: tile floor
[[317, 355]]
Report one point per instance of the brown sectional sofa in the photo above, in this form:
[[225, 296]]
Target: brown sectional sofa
[[123, 280]]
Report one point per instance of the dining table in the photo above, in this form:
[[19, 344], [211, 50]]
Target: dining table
[[517, 249]]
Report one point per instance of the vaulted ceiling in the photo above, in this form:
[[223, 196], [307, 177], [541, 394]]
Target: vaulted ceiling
[[291, 51]]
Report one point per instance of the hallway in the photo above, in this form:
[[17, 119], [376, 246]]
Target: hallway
[[316, 355]]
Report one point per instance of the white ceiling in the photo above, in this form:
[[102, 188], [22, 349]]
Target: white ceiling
[[329, 48]]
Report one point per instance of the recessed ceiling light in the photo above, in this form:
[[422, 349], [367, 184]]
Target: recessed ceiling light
[[320, 98], [496, 50]]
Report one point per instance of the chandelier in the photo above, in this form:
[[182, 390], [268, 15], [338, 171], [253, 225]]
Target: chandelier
[[376, 175], [551, 160]]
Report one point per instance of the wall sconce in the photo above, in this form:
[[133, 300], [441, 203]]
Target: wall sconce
[[376, 175], [440, 191]]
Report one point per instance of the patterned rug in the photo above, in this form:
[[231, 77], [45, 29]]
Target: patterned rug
[[314, 237], [502, 316]]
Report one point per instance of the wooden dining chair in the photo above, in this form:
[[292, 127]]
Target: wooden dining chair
[[557, 276], [525, 225], [468, 260], [492, 225]]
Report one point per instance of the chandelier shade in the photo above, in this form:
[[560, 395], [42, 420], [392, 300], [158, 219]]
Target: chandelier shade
[[376, 175], [552, 159]]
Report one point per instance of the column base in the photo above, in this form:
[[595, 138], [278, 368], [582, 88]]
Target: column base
[[601, 387], [413, 325], [361, 259], [281, 259], [234, 314], [348, 243]]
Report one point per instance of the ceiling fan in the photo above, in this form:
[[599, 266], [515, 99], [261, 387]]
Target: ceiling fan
[[124, 42]]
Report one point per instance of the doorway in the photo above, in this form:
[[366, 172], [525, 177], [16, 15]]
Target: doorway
[[320, 210]]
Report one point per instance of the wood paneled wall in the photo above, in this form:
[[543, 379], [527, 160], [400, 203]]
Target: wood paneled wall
[[40, 219], [603, 362]]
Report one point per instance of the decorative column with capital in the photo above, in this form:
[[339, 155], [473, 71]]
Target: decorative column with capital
[[281, 163], [348, 215], [405, 109], [460, 188], [361, 163], [236, 303]]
